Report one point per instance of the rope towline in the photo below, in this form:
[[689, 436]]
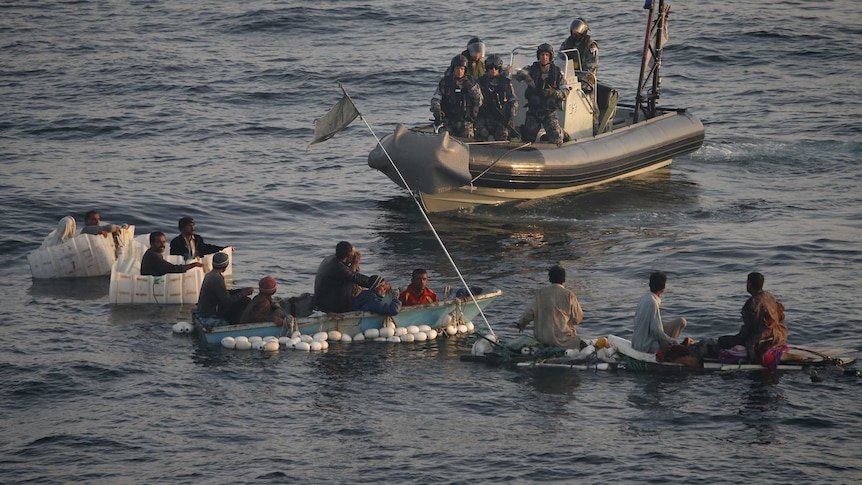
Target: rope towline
[[422, 210]]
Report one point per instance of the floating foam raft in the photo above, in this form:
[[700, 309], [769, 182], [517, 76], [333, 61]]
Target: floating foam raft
[[82, 256]]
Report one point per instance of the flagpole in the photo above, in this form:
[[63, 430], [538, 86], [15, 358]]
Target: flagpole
[[424, 214]]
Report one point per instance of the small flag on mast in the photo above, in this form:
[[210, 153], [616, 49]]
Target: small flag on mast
[[335, 120]]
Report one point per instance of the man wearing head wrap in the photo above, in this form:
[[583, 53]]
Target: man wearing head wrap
[[262, 308], [338, 280], [763, 326], [216, 300], [190, 245], [66, 229]]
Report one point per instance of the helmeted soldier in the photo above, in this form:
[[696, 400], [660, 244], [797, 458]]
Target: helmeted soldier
[[457, 100], [475, 54], [586, 58], [546, 88], [497, 114]]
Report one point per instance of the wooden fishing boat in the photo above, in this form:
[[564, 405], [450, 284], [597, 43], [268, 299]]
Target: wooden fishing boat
[[607, 141], [437, 315]]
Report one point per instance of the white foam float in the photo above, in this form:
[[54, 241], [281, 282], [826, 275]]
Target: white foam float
[[380, 339], [408, 337], [526, 350], [320, 336], [271, 346], [482, 347], [432, 334], [372, 333], [242, 344], [346, 339], [285, 341], [387, 332], [255, 339], [462, 328], [393, 339], [470, 327], [324, 345], [306, 338], [241, 337], [413, 329], [424, 328], [421, 336], [182, 327], [303, 346], [359, 337], [228, 343], [400, 331], [316, 345], [451, 330], [295, 333], [334, 335], [258, 344]]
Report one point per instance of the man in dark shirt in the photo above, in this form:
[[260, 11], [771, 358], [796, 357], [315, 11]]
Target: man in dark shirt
[[153, 263], [338, 280], [190, 245]]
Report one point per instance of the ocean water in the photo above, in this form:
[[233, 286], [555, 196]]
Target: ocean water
[[151, 110]]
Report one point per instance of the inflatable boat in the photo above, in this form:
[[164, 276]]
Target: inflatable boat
[[605, 141]]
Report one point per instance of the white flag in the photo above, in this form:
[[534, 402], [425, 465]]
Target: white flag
[[335, 120]]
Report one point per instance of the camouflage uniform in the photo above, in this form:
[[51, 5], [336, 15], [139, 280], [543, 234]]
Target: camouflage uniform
[[498, 109], [544, 92], [457, 102]]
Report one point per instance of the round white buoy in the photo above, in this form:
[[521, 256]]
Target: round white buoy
[[470, 327], [572, 353], [306, 338], [270, 338], [334, 335], [387, 332], [451, 330], [359, 337], [324, 345], [258, 344], [412, 329], [303, 346], [228, 343], [346, 338], [243, 344], [182, 327], [421, 336], [526, 350], [285, 341], [399, 331], [372, 333], [320, 336], [255, 338], [424, 328], [394, 339], [408, 337], [316, 345], [241, 337], [270, 346], [295, 333], [432, 334], [462, 328]]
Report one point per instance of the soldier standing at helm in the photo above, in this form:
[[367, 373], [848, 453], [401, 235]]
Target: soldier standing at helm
[[457, 100], [587, 56], [546, 88], [500, 105]]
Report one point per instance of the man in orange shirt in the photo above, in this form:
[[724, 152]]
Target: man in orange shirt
[[418, 292]]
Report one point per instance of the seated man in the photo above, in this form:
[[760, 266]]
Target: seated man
[[650, 334], [372, 300], [66, 229], [190, 245], [153, 263], [216, 300], [418, 293], [262, 308], [338, 280], [93, 225], [763, 325], [554, 311]]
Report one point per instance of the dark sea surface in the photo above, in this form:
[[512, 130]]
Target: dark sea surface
[[152, 110]]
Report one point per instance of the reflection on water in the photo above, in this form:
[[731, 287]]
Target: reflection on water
[[71, 288]]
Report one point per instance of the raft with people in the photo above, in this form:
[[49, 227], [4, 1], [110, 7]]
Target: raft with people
[[65, 253], [605, 140]]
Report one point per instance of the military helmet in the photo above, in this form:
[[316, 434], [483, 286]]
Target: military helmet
[[544, 48], [476, 47], [494, 61], [458, 60], [579, 26]]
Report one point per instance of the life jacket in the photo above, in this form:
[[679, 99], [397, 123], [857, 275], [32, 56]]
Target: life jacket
[[536, 94], [457, 104], [495, 96], [582, 46]]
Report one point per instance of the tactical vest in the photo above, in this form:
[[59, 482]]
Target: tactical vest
[[582, 46], [534, 94], [457, 104], [495, 95]]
